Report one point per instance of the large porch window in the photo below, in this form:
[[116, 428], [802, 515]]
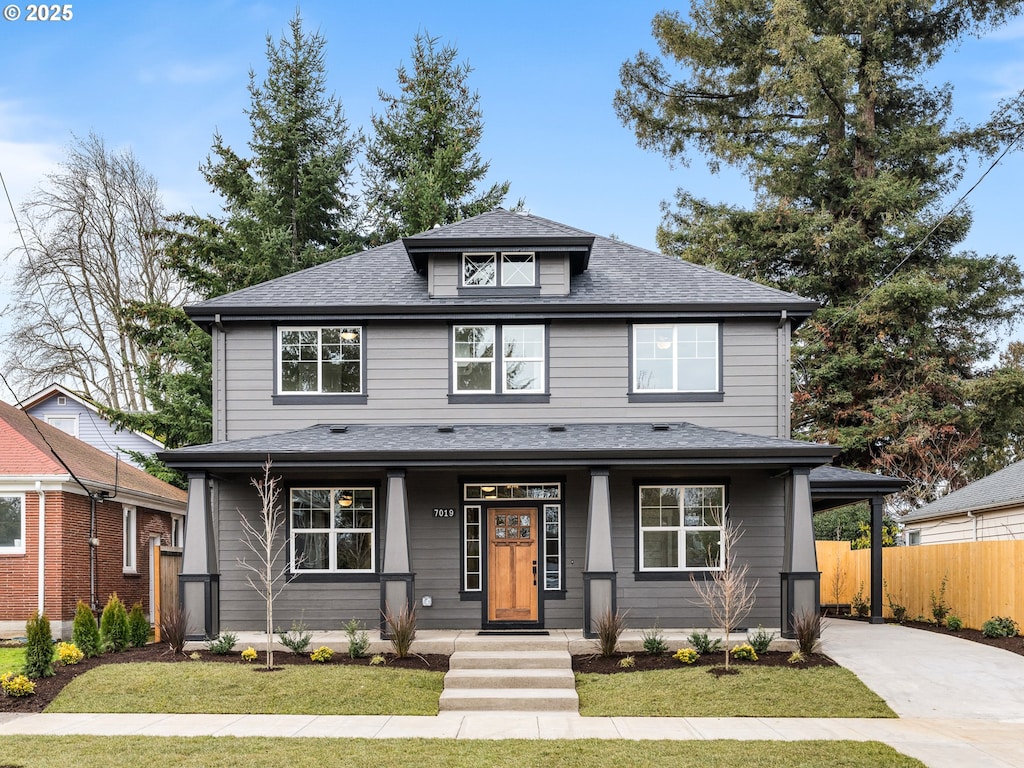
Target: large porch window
[[332, 530], [680, 527]]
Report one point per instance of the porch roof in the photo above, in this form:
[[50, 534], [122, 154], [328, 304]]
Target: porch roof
[[508, 444]]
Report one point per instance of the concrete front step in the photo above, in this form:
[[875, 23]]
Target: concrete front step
[[510, 660], [495, 643], [509, 700], [510, 678]]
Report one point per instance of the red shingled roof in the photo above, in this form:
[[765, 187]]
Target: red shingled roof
[[23, 451]]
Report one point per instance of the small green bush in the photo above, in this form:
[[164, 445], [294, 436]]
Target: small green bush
[[704, 644], [114, 625], [69, 654], [38, 647], [745, 651], [223, 644], [954, 623], [358, 640], [322, 655], [761, 640], [1000, 626], [16, 685], [85, 632], [859, 605], [378, 660], [138, 627], [686, 655], [653, 641], [297, 638], [940, 608]]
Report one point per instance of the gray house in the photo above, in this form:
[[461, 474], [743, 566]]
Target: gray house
[[508, 423]]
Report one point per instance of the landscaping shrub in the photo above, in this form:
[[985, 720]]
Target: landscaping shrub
[[954, 624], [653, 641], [609, 627], [114, 625], [322, 655], [1000, 626], [806, 627], [760, 640], [16, 685], [297, 638], [249, 654], [745, 651], [69, 654], [940, 608], [703, 644], [401, 630], [859, 605], [173, 627], [627, 662], [686, 655], [899, 611], [223, 644], [38, 647], [85, 632], [377, 660], [358, 640], [138, 627]]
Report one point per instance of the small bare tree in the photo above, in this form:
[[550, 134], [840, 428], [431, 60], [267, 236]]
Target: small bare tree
[[728, 594], [263, 537]]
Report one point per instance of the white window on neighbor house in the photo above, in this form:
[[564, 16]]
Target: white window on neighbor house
[[680, 357], [320, 360], [128, 544], [12, 524], [67, 424], [913, 538], [177, 531], [680, 527], [332, 530]]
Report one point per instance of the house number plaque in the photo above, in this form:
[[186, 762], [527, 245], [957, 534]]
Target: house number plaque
[[444, 512]]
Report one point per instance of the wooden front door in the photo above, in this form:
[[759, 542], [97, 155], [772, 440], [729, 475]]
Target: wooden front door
[[512, 565]]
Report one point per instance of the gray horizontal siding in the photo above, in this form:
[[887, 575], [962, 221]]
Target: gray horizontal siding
[[407, 372]]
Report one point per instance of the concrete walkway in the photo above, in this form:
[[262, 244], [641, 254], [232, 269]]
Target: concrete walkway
[[961, 704]]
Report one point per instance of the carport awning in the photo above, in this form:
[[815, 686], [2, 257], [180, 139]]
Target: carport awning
[[510, 444]]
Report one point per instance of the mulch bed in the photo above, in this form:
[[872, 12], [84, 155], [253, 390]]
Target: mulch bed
[[644, 662], [47, 688]]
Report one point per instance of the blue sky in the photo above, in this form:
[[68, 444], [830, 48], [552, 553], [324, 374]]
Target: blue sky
[[161, 77]]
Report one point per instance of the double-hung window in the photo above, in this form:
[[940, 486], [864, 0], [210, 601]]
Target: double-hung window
[[320, 360], [332, 530], [498, 359], [499, 270], [680, 527], [676, 358], [128, 539], [12, 524]]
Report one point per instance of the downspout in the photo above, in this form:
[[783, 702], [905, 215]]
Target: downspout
[[974, 516], [93, 543], [42, 547]]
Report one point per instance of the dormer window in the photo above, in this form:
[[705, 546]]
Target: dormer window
[[493, 270]]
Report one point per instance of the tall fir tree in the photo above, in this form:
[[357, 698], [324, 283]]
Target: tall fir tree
[[823, 107], [422, 164], [288, 206]]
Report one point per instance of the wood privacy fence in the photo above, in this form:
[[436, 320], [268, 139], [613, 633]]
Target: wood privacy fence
[[983, 578]]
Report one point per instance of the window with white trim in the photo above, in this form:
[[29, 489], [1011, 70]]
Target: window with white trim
[[177, 531], [913, 538], [320, 360], [332, 530], [128, 537], [680, 527], [472, 560], [12, 524], [552, 546], [681, 357], [67, 424], [477, 370], [505, 270]]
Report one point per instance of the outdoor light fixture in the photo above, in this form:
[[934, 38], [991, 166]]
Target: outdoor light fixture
[[345, 499], [349, 335]]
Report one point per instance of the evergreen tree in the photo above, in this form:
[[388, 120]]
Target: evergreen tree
[[422, 165], [85, 633], [822, 105], [114, 625], [38, 647]]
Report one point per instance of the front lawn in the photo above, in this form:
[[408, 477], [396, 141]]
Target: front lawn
[[11, 660], [228, 752], [204, 687], [754, 692]]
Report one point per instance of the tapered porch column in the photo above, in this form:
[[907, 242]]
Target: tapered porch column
[[599, 571], [396, 577], [199, 580], [801, 580]]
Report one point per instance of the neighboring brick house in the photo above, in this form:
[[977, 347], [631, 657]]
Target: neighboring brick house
[[511, 424], [99, 517]]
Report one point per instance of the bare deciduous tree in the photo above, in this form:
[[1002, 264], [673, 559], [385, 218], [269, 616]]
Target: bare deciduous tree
[[728, 594], [263, 537], [90, 231]]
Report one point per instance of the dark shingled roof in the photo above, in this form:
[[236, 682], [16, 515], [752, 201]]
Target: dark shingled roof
[[464, 444], [1000, 489], [621, 279]]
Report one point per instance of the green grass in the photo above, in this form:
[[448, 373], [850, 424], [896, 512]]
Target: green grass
[[236, 689], [11, 660], [755, 692], [228, 752]]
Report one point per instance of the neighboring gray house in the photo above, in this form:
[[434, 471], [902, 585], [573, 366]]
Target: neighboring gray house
[[987, 509], [508, 423], [79, 417]]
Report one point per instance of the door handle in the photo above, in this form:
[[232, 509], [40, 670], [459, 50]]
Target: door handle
[[535, 573]]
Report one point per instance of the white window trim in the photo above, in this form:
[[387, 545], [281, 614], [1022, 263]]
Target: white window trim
[[507, 361], [495, 341], [177, 531], [480, 256], [332, 531], [532, 270], [73, 418], [637, 388], [478, 572], [680, 531], [129, 540], [319, 329], [18, 548], [499, 386]]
